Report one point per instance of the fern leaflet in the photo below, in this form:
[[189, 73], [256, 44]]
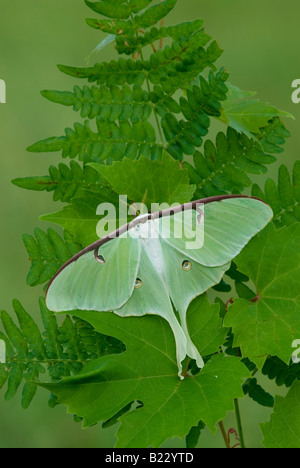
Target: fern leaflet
[[60, 350], [284, 198]]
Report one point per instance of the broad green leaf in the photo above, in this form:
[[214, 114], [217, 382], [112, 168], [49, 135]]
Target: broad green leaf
[[269, 324], [147, 372], [149, 181], [80, 218], [246, 114], [283, 429], [203, 330], [90, 218]]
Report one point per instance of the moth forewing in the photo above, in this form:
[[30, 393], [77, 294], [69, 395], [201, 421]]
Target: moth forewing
[[194, 227]]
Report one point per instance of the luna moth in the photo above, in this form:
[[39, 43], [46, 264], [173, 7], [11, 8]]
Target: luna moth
[[151, 266]]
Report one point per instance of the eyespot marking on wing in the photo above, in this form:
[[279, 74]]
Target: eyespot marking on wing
[[186, 265], [138, 284]]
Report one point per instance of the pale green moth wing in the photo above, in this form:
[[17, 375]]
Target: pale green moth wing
[[88, 284], [228, 226], [187, 278], [159, 261], [151, 297]]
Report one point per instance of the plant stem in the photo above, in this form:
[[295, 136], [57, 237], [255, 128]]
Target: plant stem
[[162, 22], [149, 88], [224, 434], [239, 423]]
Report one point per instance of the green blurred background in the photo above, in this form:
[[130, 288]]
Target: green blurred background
[[261, 42]]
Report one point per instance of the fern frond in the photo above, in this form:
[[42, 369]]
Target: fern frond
[[173, 67], [124, 9], [112, 142], [131, 92], [133, 34], [127, 23], [67, 182], [132, 140], [128, 43], [284, 198], [273, 136], [202, 100], [106, 103], [224, 167], [47, 253], [60, 350], [115, 72]]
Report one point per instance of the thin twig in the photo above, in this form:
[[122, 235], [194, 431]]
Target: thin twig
[[239, 423], [224, 434]]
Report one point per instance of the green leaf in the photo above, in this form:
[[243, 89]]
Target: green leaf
[[206, 326], [79, 218], [66, 182], [202, 100], [111, 142], [109, 103], [149, 181], [113, 9], [128, 42], [47, 253], [273, 136], [60, 350], [112, 73], [155, 13], [269, 324], [147, 372], [283, 430], [30, 331], [173, 67], [246, 114], [193, 436]]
